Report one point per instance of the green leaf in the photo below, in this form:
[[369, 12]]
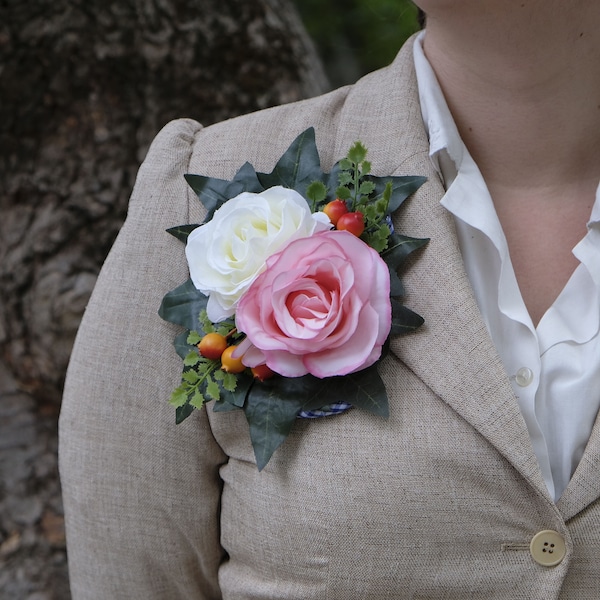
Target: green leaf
[[346, 165], [182, 231], [178, 396], [345, 178], [229, 381], [404, 320], [183, 305], [205, 323], [357, 152], [212, 390], [192, 358], [197, 400], [193, 338], [299, 166], [343, 193], [366, 188], [190, 377], [316, 192]]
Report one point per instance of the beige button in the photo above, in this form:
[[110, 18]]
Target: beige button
[[548, 548], [524, 376]]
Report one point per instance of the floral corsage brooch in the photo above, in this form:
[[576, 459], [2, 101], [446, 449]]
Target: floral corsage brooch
[[293, 291]]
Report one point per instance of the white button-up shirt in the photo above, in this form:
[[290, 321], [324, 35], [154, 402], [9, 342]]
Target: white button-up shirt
[[554, 368]]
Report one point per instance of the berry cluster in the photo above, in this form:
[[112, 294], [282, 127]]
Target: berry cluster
[[342, 219], [215, 346]]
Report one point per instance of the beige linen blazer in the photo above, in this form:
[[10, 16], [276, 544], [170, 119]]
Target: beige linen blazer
[[440, 501]]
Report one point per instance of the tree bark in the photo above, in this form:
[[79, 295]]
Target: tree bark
[[84, 87]]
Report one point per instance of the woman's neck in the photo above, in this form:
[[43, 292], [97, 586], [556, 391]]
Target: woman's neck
[[526, 103]]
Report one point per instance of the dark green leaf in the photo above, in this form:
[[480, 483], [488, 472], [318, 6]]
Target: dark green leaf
[[396, 286], [270, 416], [400, 246], [402, 188], [182, 231], [183, 305], [223, 405], [245, 180], [404, 320], [183, 412], [298, 167], [272, 407], [213, 192], [237, 395], [181, 346], [363, 389]]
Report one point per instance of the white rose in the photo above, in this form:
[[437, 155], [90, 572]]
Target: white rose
[[228, 253]]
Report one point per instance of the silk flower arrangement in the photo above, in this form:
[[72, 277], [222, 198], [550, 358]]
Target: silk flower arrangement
[[293, 291]]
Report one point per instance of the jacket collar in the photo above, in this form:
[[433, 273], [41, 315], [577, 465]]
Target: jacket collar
[[452, 353]]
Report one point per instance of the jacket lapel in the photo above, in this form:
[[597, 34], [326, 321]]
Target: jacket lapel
[[452, 353], [584, 487]]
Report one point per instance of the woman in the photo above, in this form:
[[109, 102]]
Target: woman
[[483, 482]]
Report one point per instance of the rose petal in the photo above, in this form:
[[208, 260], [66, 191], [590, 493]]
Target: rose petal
[[285, 363], [352, 355]]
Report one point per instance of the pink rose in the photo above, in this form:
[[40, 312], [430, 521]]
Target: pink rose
[[322, 306]]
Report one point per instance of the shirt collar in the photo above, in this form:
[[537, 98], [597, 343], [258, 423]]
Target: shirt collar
[[446, 146]]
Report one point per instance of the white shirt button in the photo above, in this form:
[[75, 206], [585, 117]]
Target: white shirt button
[[524, 376], [548, 548]]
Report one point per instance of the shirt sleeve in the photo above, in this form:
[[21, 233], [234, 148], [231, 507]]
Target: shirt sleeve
[[141, 494]]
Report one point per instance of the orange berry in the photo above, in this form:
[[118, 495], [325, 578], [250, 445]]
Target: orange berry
[[229, 363], [335, 209], [212, 346]]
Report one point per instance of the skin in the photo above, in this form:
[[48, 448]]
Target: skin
[[521, 78]]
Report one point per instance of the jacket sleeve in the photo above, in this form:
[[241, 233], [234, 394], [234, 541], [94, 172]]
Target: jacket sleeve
[[141, 494]]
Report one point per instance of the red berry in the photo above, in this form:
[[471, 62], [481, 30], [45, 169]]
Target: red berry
[[212, 346], [335, 209], [262, 372], [230, 364], [354, 222]]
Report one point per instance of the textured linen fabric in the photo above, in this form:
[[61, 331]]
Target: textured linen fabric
[[560, 400], [440, 501]]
